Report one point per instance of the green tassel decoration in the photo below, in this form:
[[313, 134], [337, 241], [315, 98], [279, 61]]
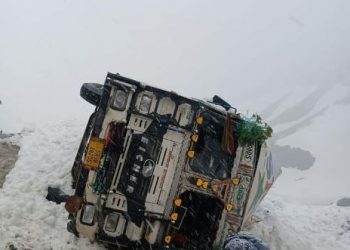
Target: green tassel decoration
[[253, 130]]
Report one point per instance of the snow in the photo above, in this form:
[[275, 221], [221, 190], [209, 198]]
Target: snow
[[300, 212], [29, 221], [288, 225], [327, 138]]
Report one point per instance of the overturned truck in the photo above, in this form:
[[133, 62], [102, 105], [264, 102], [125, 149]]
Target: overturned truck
[[155, 169]]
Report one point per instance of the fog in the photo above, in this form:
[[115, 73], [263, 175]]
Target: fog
[[280, 58], [242, 50]]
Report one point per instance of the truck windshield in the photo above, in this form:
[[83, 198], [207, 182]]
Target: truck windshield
[[210, 158]]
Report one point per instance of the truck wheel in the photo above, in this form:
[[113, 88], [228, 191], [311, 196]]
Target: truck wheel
[[244, 240], [91, 92]]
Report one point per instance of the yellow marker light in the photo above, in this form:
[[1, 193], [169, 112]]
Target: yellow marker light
[[174, 216], [199, 182], [167, 239], [205, 185], [235, 181], [194, 138], [199, 120], [229, 207], [190, 154], [214, 187], [178, 202]]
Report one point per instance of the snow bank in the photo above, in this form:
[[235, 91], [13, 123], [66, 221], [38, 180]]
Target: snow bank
[[27, 219], [286, 225]]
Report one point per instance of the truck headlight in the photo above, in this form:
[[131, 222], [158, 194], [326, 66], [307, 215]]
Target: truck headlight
[[88, 214], [145, 104], [120, 99], [112, 222]]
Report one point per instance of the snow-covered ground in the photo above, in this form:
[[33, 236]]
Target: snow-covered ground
[[316, 120], [293, 226], [29, 221]]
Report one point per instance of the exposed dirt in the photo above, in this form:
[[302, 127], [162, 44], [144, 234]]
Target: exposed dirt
[[8, 157]]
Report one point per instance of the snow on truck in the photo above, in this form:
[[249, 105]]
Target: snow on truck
[[155, 169]]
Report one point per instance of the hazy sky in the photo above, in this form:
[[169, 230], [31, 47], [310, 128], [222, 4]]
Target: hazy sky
[[250, 52]]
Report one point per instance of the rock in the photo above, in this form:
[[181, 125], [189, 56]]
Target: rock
[[8, 158], [344, 202]]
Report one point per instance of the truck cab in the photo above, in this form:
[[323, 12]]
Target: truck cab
[[156, 169]]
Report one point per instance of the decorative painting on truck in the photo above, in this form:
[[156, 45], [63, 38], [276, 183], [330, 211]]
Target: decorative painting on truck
[[240, 195], [266, 173]]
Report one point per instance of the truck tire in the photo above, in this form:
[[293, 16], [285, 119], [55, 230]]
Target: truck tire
[[91, 92], [244, 240]]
